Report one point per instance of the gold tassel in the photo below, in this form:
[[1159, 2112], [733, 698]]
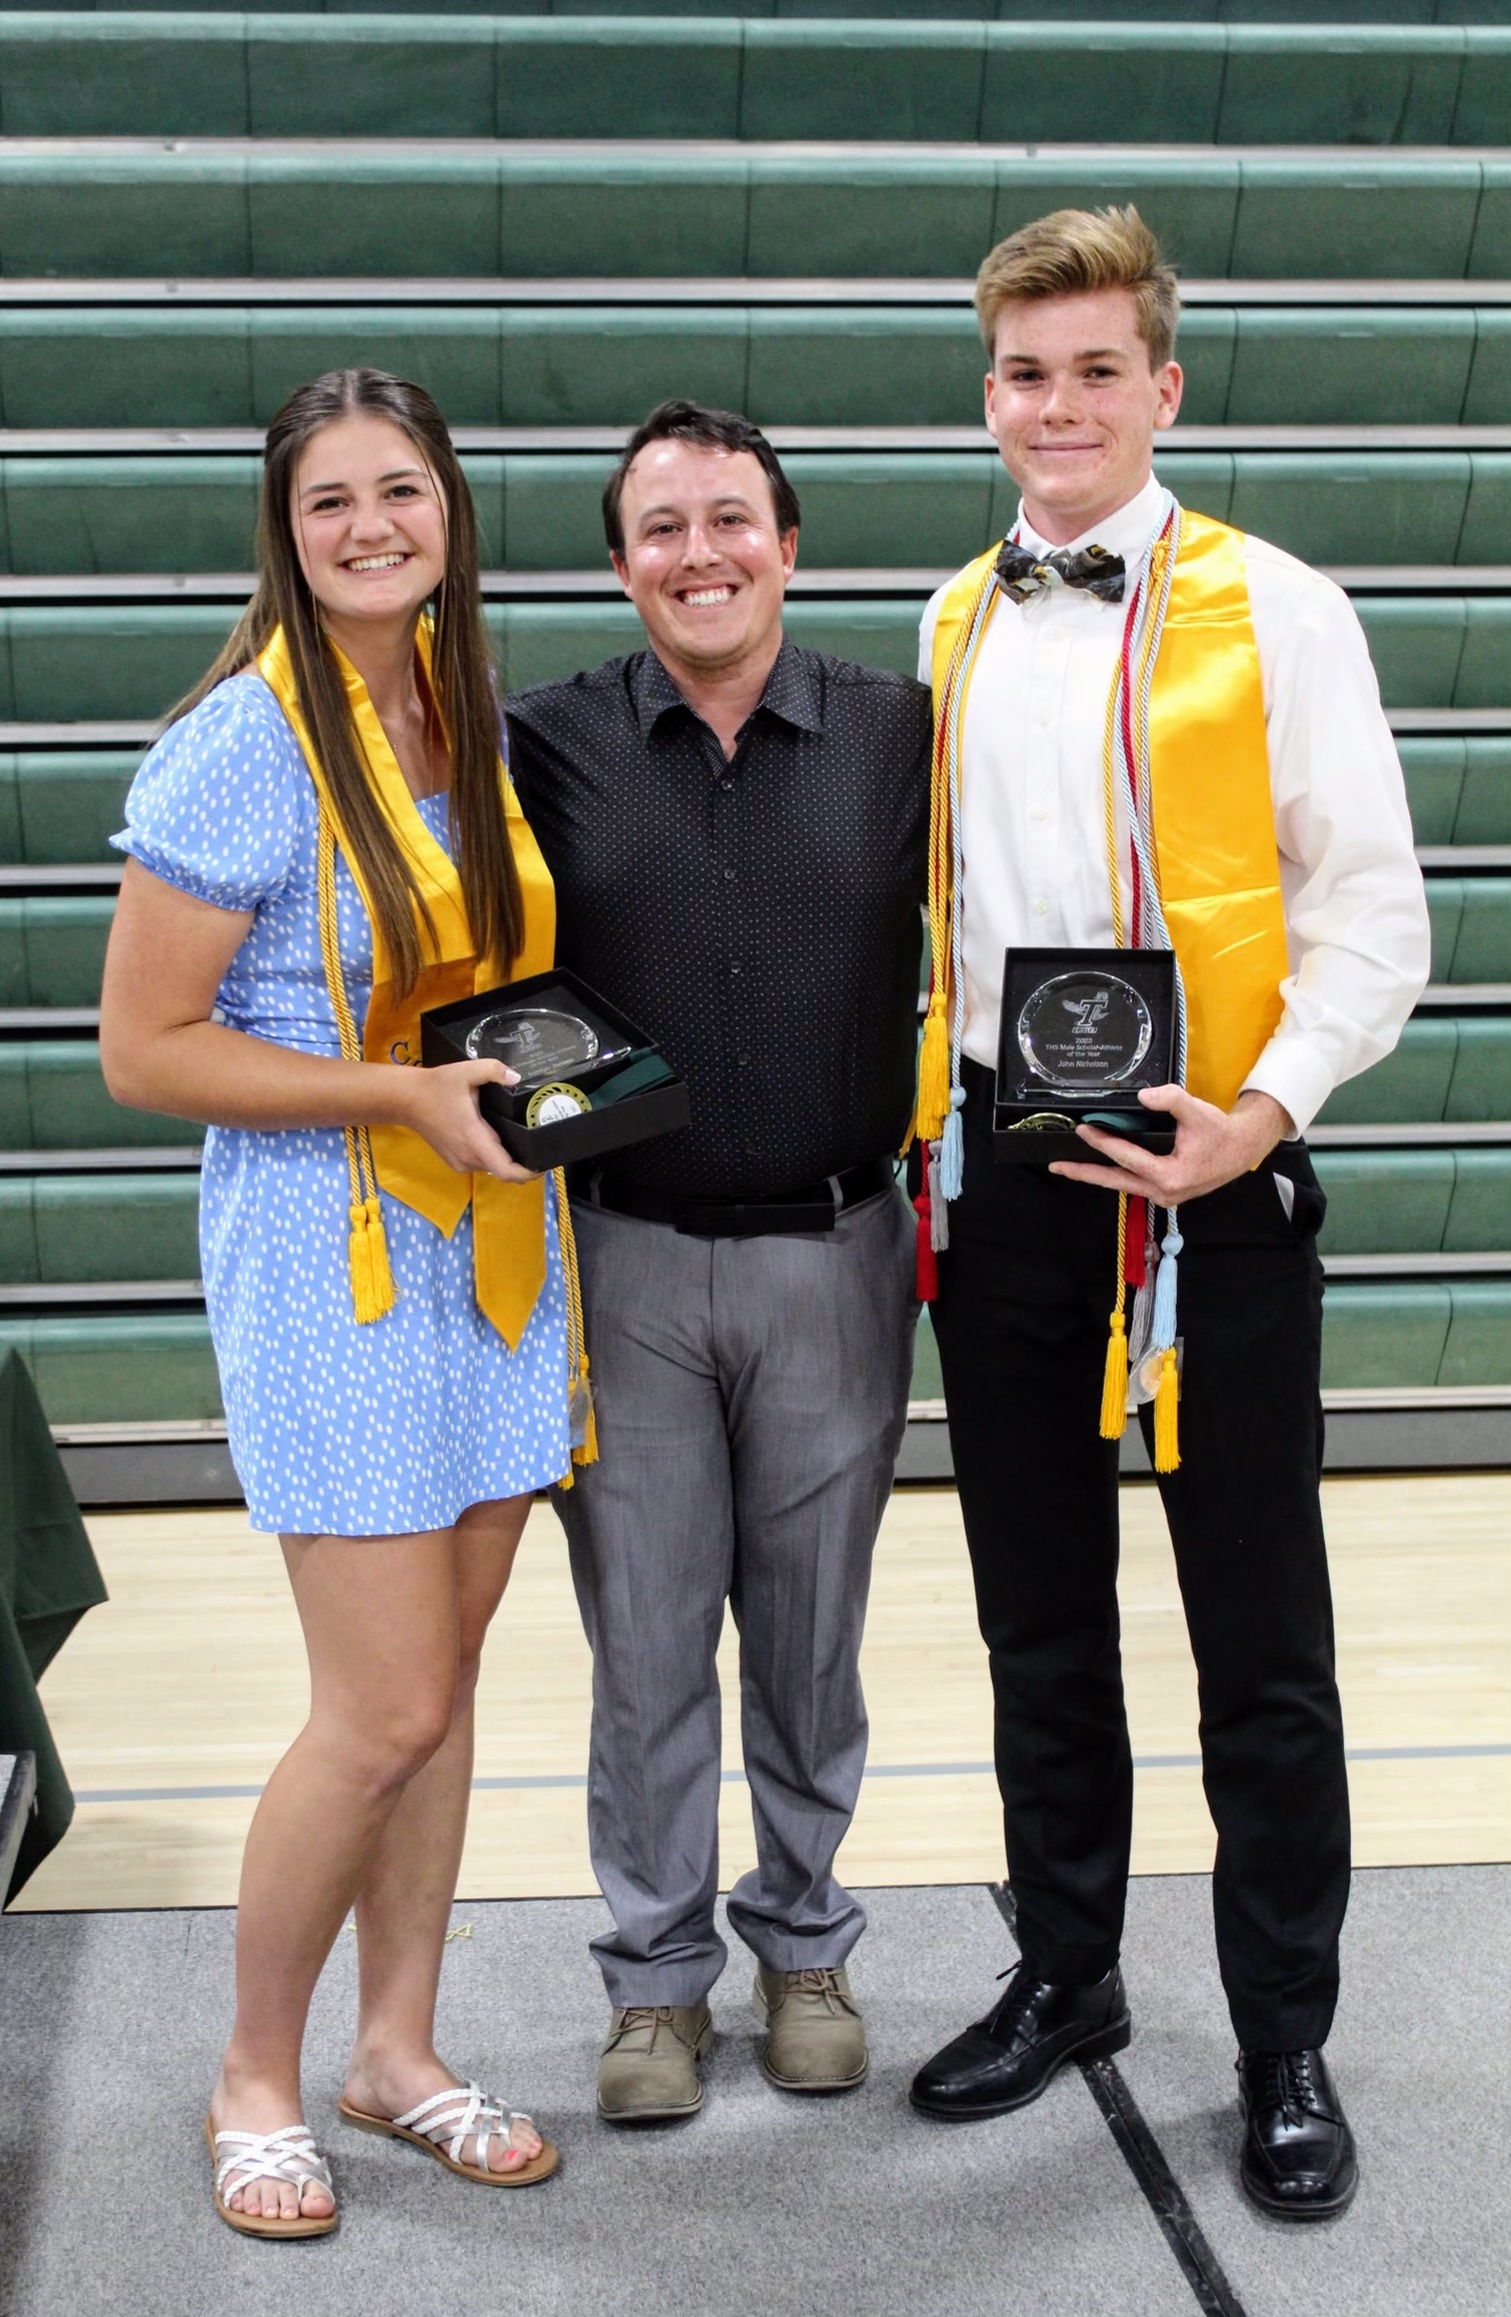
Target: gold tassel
[[1115, 1380], [588, 1452], [934, 1071], [359, 1263], [1115, 1373], [579, 1388], [372, 1274], [1166, 1426]]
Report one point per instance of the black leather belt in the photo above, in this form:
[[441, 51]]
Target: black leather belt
[[814, 1208]]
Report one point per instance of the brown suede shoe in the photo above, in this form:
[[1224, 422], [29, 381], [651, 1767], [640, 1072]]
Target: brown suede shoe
[[818, 2038], [649, 2069]]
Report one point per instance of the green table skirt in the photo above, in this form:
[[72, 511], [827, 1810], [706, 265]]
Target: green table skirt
[[48, 1578]]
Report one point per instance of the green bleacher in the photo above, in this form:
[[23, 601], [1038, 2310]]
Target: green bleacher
[[1349, 14], [638, 210], [539, 511], [128, 658], [215, 74], [199, 208], [1438, 357]]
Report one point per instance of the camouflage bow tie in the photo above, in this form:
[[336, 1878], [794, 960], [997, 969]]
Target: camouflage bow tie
[[1022, 574]]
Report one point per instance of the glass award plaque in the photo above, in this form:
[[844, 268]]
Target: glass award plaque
[[537, 1041], [587, 1080], [1082, 1031], [1085, 1032]]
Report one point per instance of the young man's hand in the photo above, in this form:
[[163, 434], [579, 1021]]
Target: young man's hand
[[1212, 1147]]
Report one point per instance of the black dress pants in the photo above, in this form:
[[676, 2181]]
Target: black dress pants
[[1025, 1291]]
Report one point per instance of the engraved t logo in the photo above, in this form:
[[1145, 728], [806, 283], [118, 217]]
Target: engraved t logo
[[1088, 1011]]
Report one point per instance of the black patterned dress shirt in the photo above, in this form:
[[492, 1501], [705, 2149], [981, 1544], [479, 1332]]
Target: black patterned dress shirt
[[759, 917]]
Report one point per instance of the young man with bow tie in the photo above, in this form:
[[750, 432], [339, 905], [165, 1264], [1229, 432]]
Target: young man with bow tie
[[1152, 732]]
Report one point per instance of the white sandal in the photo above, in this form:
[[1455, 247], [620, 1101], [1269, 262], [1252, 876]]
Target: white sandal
[[455, 2116], [289, 2155]]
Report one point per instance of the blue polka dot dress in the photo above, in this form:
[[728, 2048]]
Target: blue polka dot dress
[[335, 1429]]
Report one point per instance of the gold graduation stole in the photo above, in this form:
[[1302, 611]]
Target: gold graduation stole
[[508, 1236], [1186, 711]]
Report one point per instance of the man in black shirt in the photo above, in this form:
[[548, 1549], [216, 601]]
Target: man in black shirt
[[737, 829]]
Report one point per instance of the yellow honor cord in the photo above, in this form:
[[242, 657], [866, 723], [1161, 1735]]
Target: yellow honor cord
[[1166, 1402], [579, 1385], [1115, 1373], [933, 1106], [509, 1254], [934, 1070], [367, 1248], [371, 1273]]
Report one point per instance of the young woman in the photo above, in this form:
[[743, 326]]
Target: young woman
[[322, 843]]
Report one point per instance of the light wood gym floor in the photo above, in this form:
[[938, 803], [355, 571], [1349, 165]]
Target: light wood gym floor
[[171, 1703]]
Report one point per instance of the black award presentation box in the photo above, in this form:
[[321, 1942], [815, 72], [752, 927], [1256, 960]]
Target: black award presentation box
[[1082, 1031], [589, 1080]]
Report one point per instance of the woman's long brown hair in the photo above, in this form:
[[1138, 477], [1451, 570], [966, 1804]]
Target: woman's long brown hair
[[462, 672]]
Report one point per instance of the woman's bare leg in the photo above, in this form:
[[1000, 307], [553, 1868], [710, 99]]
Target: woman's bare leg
[[380, 1625], [404, 1905]]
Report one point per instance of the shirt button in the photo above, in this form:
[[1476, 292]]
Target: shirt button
[[727, 786], [1041, 909], [1039, 813], [734, 965], [744, 1061], [729, 874]]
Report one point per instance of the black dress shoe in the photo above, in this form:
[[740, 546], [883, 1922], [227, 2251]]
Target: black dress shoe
[[1298, 2152], [1007, 2058]]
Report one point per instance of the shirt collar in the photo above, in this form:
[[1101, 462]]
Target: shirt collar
[[791, 691], [1127, 532]]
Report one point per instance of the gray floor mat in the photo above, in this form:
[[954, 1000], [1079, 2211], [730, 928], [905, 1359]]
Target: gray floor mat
[[109, 2031], [1421, 2052]]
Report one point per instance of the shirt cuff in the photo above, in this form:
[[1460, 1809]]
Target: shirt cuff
[[1295, 1076]]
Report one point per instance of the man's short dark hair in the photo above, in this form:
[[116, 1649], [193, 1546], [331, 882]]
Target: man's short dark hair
[[720, 430]]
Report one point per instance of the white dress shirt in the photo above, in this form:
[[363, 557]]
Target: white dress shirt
[[1033, 834]]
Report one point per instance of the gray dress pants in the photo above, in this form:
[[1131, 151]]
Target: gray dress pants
[[751, 1396]]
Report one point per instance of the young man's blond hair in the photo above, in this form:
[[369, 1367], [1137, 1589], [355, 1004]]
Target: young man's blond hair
[[1075, 250]]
